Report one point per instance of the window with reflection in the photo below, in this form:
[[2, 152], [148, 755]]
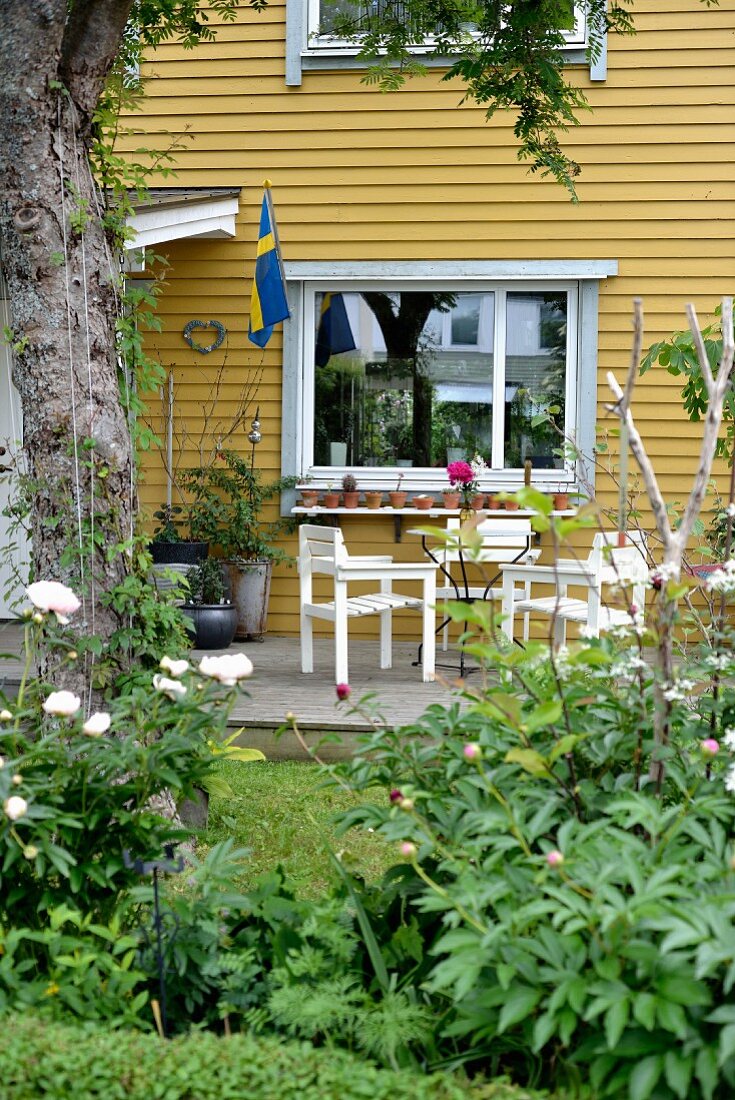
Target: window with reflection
[[425, 377]]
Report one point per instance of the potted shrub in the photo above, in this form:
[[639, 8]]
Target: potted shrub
[[172, 541], [214, 617], [231, 498], [351, 496]]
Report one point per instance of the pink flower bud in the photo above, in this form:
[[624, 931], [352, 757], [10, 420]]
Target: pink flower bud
[[408, 849], [554, 858], [472, 751], [709, 747], [395, 795], [343, 691]]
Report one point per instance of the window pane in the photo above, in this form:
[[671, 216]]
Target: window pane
[[391, 386], [535, 376]]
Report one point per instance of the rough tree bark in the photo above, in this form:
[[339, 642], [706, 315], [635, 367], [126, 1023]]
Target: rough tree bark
[[60, 272]]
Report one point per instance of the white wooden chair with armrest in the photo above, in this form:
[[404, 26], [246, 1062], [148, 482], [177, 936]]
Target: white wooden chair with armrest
[[502, 541], [607, 564], [322, 551]]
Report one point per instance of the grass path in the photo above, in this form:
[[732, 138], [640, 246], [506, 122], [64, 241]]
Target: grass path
[[284, 814]]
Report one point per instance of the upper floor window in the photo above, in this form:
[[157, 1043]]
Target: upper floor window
[[328, 21]]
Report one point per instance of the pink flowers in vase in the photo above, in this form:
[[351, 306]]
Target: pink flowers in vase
[[463, 477]]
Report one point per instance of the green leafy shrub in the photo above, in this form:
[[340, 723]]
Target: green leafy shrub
[[76, 795], [43, 1060], [569, 917]]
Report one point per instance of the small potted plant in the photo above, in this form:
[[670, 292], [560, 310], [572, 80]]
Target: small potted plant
[[214, 617], [331, 497], [399, 496], [451, 498], [309, 497], [423, 502], [561, 499], [351, 495], [173, 541], [373, 498]]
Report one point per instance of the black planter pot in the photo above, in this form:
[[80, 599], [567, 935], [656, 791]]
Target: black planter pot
[[178, 553], [213, 624]]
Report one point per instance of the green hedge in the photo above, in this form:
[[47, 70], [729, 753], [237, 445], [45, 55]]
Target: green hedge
[[40, 1059]]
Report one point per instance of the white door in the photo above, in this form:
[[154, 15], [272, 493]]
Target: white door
[[13, 543]]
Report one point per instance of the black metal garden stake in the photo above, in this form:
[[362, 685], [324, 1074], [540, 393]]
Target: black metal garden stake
[[153, 866]]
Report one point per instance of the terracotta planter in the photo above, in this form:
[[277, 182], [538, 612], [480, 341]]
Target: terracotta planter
[[423, 503], [512, 505], [330, 500], [351, 499], [397, 499], [309, 498], [493, 503], [451, 500], [478, 502], [561, 502], [373, 500]]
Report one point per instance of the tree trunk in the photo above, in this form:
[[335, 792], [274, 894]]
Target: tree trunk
[[61, 274]]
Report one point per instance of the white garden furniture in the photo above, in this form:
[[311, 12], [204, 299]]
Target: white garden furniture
[[322, 551], [623, 567]]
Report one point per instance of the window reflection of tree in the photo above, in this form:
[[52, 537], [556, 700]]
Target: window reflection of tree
[[402, 320]]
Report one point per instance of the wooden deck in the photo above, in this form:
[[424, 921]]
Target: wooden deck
[[278, 686]]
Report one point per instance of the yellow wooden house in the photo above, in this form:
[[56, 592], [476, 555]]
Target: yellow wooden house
[[465, 294]]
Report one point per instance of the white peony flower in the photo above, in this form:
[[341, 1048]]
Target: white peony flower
[[15, 807], [97, 724], [228, 669], [730, 780], [63, 704], [53, 596], [729, 737], [5, 715], [176, 668], [173, 688]]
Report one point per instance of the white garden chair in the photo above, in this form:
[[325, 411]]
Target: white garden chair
[[322, 551], [607, 564], [501, 541]]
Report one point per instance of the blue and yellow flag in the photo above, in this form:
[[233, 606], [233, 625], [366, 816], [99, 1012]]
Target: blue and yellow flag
[[268, 304], [334, 333]]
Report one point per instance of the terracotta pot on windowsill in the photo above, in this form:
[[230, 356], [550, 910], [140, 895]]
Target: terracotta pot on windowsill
[[351, 499], [373, 500], [493, 503], [512, 505], [330, 500], [398, 498], [309, 498], [561, 502], [451, 500], [477, 502], [423, 503]]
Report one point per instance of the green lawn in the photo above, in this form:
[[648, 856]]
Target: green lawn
[[283, 813]]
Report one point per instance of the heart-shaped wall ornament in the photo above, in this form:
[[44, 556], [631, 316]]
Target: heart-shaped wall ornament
[[204, 349]]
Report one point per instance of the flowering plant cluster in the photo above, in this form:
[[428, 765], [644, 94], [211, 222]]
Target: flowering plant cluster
[[463, 477], [79, 787]]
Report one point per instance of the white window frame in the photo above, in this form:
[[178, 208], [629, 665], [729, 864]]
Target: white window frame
[[580, 278], [306, 49]]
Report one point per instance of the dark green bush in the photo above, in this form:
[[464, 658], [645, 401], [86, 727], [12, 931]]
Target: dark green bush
[[47, 1061]]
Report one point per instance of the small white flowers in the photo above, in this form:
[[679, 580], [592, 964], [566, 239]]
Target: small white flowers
[[730, 511], [173, 688], [97, 724], [15, 807], [53, 596], [228, 669], [176, 668], [62, 704], [722, 579]]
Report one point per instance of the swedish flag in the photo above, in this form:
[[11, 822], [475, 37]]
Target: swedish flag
[[334, 333], [268, 304]]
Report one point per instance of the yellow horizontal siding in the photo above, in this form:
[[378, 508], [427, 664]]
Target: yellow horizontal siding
[[358, 174]]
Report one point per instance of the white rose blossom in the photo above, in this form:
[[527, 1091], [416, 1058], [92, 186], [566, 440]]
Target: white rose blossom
[[62, 704], [176, 668], [228, 669], [97, 724], [15, 807], [53, 596], [173, 688]]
